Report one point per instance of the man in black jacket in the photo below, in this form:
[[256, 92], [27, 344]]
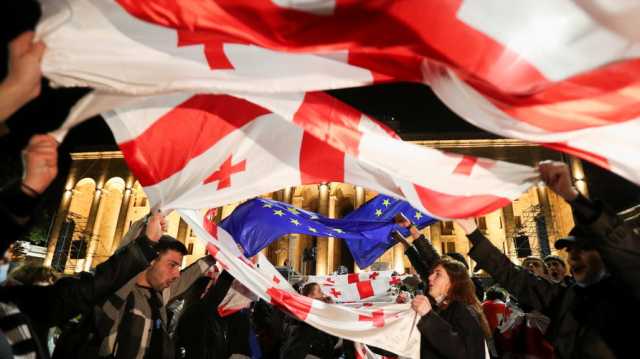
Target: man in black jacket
[[38, 307], [590, 319]]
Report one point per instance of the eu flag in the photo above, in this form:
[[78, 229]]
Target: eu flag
[[258, 222]]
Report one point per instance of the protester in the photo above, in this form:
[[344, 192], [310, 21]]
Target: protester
[[456, 327], [451, 320], [536, 266], [199, 333], [22, 83], [141, 303], [301, 339], [35, 308], [591, 318], [558, 272]]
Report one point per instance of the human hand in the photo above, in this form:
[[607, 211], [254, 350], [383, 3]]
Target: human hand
[[468, 225], [402, 221], [421, 305], [22, 83], [156, 226], [556, 176], [40, 164]]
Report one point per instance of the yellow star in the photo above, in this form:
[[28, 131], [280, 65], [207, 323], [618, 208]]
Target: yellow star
[[311, 229], [378, 212], [386, 203], [293, 210], [278, 213], [418, 215], [266, 205], [338, 230], [295, 221]]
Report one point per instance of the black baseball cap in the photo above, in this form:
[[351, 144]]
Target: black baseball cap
[[579, 236]]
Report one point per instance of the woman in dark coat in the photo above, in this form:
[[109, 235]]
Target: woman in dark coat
[[452, 323]]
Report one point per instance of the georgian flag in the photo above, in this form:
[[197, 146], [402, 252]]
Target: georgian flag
[[388, 326], [559, 72], [374, 286], [206, 151]]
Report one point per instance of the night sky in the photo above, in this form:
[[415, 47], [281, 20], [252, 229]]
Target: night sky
[[411, 109]]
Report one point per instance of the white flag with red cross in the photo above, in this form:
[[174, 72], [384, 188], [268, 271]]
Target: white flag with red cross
[[206, 151], [374, 286], [558, 72], [389, 326]]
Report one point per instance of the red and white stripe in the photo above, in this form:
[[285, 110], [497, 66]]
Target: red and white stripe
[[391, 327], [209, 150], [601, 129], [560, 72]]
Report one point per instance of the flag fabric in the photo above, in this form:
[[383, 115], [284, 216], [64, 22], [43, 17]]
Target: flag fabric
[[363, 287], [383, 207], [391, 327], [206, 151], [557, 72], [258, 222]]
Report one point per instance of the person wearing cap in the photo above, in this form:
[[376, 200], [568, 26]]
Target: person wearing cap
[[589, 319], [558, 272], [536, 266]]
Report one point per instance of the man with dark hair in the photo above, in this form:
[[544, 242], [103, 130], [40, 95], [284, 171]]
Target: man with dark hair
[[133, 323], [589, 319]]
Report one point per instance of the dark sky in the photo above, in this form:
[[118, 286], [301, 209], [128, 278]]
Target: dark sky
[[411, 109]]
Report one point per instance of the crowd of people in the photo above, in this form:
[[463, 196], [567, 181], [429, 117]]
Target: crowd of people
[[140, 303]]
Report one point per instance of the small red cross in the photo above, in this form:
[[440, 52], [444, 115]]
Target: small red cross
[[335, 293], [223, 174], [465, 166], [373, 275], [394, 280], [377, 318], [276, 280]]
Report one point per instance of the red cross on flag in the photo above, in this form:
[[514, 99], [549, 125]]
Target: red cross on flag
[[558, 73], [389, 326], [360, 287], [209, 150]]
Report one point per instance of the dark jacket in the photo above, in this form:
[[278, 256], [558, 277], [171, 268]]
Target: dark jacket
[[587, 322], [71, 296], [301, 340], [453, 332], [201, 332]]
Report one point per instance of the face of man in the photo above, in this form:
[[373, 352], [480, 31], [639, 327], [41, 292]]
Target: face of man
[[586, 265], [557, 270], [164, 270], [534, 266], [439, 283]]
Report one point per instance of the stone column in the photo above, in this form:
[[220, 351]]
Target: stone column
[[93, 241], [509, 229], [358, 201], [122, 218], [61, 216], [322, 243]]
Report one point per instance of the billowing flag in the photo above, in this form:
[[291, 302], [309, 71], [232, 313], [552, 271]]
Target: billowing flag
[[206, 151], [388, 326], [383, 208], [374, 286], [258, 222], [558, 72]]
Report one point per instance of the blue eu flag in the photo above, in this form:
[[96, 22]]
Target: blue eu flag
[[258, 222]]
